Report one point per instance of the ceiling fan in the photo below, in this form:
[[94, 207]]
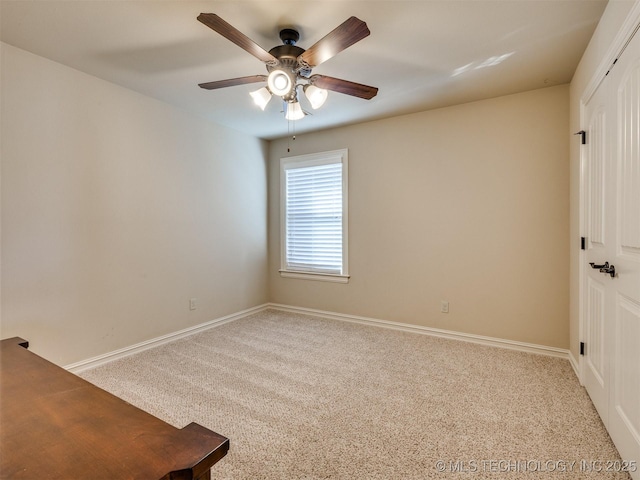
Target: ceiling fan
[[289, 66]]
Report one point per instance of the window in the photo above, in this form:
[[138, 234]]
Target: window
[[313, 216]]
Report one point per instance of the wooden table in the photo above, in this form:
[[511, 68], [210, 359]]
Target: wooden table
[[55, 425]]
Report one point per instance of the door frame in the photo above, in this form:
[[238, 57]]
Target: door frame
[[624, 35]]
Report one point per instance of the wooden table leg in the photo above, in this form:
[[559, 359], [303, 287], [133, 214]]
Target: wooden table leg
[[205, 476]]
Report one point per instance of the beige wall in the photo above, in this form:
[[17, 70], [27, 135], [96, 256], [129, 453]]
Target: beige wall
[[610, 23], [116, 210], [467, 204]]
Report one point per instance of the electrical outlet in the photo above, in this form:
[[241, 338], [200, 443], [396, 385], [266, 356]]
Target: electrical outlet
[[192, 304], [444, 306]]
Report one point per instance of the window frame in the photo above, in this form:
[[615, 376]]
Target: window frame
[[301, 161]]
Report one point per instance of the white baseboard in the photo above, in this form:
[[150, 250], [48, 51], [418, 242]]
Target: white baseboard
[[155, 342], [405, 327], [436, 332]]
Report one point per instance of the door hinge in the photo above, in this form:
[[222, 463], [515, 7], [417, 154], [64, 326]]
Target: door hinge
[[583, 243], [583, 136], [581, 348]]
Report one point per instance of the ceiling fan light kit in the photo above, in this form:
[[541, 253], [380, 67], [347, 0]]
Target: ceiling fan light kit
[[290, 66], [316, 96], [293, 111], [261, 97], [280, 83]]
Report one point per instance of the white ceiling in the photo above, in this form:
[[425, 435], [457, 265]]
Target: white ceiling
[[421, 54]]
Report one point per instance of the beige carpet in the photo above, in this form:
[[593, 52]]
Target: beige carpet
[[302, 397]]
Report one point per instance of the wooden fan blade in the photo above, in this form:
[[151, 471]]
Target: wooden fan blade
[[351, 31], [344, 86], [233, 81], [215, 23]]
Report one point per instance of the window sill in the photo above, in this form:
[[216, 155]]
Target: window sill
[[322, 277]]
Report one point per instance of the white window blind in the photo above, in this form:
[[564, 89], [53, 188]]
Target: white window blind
[[314, 200]]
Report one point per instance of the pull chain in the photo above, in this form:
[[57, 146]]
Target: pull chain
[[291, 137]]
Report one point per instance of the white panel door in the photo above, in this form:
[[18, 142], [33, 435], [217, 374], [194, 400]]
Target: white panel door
[[612, 221], [598, 172], [624, 408]]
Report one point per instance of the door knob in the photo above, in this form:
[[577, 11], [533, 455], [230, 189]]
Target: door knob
[[605, 268], [611, 270], [605, 265]]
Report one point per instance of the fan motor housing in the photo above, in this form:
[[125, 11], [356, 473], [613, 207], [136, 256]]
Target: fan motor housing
[[287, 56]]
